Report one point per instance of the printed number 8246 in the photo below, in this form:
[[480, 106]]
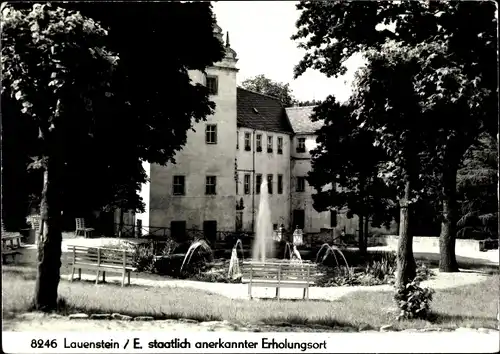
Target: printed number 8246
[[40, 343]]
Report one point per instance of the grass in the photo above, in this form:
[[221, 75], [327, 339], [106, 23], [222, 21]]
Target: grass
[[478, 305]]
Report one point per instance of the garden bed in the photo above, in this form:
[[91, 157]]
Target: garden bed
[[370, 269]]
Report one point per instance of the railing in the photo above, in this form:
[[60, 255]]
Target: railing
[[165, 233]]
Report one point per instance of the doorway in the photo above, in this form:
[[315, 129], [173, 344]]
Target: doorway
[[298, 219], [210, 231]]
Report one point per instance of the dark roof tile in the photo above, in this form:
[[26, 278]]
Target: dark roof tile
[[262, 112]]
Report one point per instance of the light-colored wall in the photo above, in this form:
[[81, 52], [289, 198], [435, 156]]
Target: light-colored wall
[[265, 163], [314, 221], [300, 166], [196, 161]]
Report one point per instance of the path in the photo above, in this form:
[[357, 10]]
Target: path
[[240, 291]]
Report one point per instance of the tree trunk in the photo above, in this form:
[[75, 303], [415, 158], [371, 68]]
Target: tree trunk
[[120, 223], [50, 238], [367, 221], [448, 261], [361, 236], [406, 267]]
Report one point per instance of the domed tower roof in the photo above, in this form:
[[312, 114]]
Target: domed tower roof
[[230, 53]]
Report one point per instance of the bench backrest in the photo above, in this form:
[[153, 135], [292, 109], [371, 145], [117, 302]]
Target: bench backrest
[[102, 256], [279, 270], [80, 223]]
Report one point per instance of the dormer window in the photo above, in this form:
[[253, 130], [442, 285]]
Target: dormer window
[[212, 85], [256, 110]]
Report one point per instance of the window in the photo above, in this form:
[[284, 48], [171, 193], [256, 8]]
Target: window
[[280, 184], [237, 140], [247, 184], [280, 145], [301, 145], [211, 134], [179, 185], [333, 218], [275, 227], [237, 182], [211, 185], [212, 85], [258, 182], [247, 142], [259, 142], [270, 184], [301, 184], [270, 144]]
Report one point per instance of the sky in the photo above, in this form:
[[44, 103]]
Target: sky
[[260, 31]]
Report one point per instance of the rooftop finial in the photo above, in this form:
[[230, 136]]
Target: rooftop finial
[[227, 39]]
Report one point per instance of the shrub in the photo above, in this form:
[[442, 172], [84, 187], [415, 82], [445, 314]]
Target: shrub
[[142, 254], [413, 301], [144, 257], [383, 269], [423, 273]]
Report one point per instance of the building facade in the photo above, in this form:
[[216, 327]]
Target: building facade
[[215, 183]]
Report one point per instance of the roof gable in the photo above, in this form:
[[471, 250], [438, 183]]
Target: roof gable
[[262, 112], [300, 119]]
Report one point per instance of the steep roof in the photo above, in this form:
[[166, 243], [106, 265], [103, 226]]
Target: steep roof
[[262, 112], [300, 119]]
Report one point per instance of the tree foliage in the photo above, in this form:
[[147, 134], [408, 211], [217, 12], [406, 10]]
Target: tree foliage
[[347, 159], [307, 103], [104, 172], [477, 189], [452, 92], [98, 99], [264, 85]]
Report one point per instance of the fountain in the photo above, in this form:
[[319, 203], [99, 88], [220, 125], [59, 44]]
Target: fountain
[[331, 249], [293, 253], [234, 264], [196, 245], [263, 242]]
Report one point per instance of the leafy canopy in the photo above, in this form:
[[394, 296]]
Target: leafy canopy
[[262, 84], [115, 105]]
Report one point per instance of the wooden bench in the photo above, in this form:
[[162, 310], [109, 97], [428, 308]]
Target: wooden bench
[[8, 252], [14, 241], [279, 274], [10, 247], [101, 259]]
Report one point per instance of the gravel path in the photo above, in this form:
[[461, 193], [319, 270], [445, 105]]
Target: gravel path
[[240, 291]]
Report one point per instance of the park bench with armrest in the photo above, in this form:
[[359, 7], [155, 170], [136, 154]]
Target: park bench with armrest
[[101, 259], [279, 275], [10, 247], [8, 252], [12, 242]]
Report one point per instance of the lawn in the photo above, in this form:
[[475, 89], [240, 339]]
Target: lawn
[[478, 305]]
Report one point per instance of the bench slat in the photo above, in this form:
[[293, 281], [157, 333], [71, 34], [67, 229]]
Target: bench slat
[[106, 266], [102, 257]]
